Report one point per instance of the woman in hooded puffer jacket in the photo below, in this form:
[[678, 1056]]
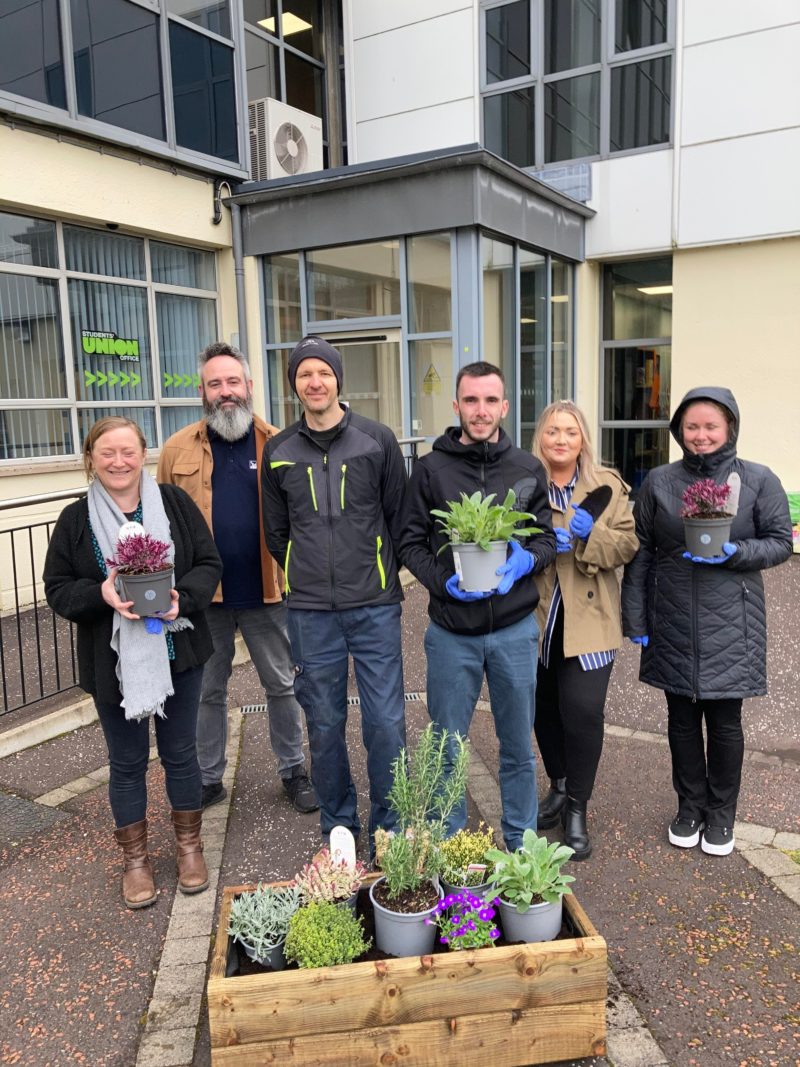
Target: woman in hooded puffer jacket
[[701, 623]]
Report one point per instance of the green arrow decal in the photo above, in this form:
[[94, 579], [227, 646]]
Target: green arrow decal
[[124, 379], [113, 379], [102, 379], [167, 380], [135, 379], [195, 380], [89, 378]]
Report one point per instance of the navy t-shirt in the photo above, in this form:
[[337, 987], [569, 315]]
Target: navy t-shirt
[[234, 516]]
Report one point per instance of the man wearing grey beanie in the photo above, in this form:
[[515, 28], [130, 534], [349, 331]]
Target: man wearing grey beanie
[[333, 486]]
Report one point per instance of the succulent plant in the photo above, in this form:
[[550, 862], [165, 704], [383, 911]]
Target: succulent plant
[[324, 879]]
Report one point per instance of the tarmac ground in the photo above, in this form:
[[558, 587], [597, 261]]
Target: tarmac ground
[[703, 951]]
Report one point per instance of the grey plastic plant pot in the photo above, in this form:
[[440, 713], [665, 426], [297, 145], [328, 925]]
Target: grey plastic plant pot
[[705, 537], [478, 566], [274, 957], [402, 934], [149, 592], [540, 922]]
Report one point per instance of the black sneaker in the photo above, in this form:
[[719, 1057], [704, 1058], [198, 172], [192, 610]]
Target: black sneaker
[[213, 793], [300, 791], [717, 840], [684, 832]]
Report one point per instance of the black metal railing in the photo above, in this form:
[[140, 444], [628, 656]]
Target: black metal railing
[[409, 447], [37, 648]]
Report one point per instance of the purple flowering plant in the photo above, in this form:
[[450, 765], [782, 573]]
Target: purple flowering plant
[[705, 499], [140, 554], [465, 921]]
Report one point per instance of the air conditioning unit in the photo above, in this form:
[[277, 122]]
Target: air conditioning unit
[[283, 140]]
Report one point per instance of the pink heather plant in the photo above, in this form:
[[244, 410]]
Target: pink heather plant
[[140, 554], [705, 500], [326, 879]]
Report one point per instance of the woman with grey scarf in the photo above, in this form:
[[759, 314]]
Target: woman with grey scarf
[[135, 668]]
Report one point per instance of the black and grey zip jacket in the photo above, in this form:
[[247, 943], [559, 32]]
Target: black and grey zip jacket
[[332, 517]]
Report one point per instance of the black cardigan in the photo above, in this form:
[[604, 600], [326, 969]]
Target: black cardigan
[[72, 581]]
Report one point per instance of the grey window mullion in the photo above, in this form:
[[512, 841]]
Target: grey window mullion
[[548, 331], [68, 60], [166, 76], [66, 334], [605, 110], [240, 75], [405, 369], [517, 436], [303, 270], [537, 65], [573, 72], [203, 30]]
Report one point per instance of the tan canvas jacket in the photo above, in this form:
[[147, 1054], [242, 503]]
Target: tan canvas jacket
[[187, 461], [587, 577]]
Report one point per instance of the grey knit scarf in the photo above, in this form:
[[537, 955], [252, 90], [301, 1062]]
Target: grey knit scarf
[[143, 670]]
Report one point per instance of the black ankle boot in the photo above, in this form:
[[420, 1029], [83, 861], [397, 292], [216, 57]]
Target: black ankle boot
[[576, 835], [550, 807]]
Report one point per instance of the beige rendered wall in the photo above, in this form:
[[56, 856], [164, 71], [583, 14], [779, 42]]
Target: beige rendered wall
[[44, 176], [736, 323], [587, 346]]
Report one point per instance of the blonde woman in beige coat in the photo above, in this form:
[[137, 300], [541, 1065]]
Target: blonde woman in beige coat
[[578, 615]]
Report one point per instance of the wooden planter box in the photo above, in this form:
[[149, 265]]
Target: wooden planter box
[[505, 1005]]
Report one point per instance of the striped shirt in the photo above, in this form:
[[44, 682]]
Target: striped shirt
[[589, 661]]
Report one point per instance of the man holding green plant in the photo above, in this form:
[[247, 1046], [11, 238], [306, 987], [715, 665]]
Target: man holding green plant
[[492, 633]]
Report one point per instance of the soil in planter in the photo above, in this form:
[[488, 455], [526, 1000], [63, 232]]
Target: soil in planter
[[409, 901], [240, 964]]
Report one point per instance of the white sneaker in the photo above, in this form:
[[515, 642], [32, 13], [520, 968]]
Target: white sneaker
[[683, 832], [717, 840]]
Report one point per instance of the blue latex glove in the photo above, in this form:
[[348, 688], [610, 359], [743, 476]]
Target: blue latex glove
[[153, 625], [451, 585], [728, 549], [581, 522], [644, 641], [518, 564], [563, 540]]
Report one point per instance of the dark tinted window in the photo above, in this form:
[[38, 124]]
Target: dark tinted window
[[301, 26], [508, 125], [571, 34], [508, 37], [203, 93], [30, 51], [305, 86], [640, 103], [639, 23], [210, 14], [572, 118], [118, 65]]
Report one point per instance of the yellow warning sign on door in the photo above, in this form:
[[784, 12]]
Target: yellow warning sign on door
[[431, 383]]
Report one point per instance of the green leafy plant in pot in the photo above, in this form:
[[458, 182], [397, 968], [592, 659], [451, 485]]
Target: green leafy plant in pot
[[144, 572], [706, 517], [427, 786], [530, 887], [324, 934], [464, 863], [478, 532], [259, 920]]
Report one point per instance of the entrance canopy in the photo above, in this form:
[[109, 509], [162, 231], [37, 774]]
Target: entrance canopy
[[446, 189]]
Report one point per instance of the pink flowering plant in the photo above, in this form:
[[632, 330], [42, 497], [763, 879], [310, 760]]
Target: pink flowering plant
[[465, 921], [140, 554], [326, 879], [705, 499]]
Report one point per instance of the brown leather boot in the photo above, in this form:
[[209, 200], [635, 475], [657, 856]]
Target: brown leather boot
[[192, 870], [138, 888]]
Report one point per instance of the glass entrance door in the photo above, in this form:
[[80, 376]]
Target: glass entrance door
[[372, 381]]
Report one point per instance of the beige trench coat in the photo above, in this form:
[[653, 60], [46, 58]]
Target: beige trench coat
[[587, 577]]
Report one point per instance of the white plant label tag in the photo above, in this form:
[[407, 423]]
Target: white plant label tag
[[130, 529], [343, 846], [457, 564], [475, 867]]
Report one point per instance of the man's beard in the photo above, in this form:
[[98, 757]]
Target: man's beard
[[231, 424], [466, 431]]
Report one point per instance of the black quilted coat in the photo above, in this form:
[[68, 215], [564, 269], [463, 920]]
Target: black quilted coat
[[707, 623]]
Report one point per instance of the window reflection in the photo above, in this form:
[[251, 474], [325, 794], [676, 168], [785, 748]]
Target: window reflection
[[429, 297], [356, 281], [203, 93], [210, 14], [30, 51], [118, 65], [499, 319]]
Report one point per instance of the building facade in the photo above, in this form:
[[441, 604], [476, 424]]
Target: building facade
[[599, 195]]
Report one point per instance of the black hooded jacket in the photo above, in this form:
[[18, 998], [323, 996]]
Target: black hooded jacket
[[446, 472], [706, 622]]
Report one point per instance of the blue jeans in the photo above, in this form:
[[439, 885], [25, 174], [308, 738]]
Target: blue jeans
[[508, 657], [129, 751], [265, 633], [321, 643]]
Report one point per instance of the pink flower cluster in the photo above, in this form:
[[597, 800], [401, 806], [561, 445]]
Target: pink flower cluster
[[140, 554], [705, 499]]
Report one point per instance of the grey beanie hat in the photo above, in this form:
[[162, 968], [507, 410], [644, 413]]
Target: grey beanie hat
[[315, 348]]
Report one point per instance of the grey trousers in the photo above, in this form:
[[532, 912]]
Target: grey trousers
[[265, 633]]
